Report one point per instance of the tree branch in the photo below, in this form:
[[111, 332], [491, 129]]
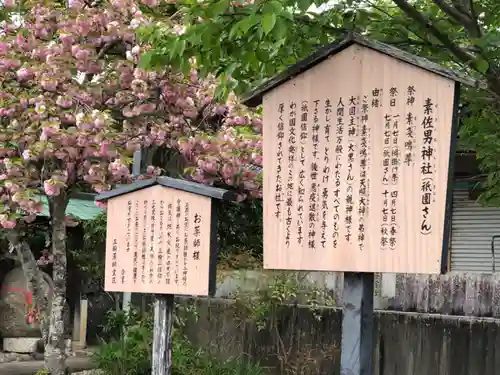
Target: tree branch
[[423, 38], [464, 19], [458, 52]]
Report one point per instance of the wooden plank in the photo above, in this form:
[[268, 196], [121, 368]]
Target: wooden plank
[[357, 324], [159, 241], [357, 165], [162, 335]]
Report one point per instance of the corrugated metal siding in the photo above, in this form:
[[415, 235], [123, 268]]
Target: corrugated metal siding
[[472, 229]]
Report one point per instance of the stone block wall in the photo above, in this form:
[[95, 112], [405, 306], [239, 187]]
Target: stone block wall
[[452, 294], [296, 343]]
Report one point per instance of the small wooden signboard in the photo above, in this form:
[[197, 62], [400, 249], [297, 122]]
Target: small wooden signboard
[[162, 239], [358, 150]]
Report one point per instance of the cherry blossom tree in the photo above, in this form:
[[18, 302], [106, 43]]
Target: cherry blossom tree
[[75, 105]]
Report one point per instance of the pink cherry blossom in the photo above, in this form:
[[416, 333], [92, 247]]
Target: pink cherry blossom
[[24, 74], [67, 131], [8, 224]]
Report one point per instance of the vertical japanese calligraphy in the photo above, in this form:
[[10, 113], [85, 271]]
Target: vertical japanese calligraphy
[[196, 236], [186, 244], [278, 195], [292, 157], [395, 167], [161, 235], [313, 175], [339, 150], [152, 239], [178, 210], [173, 240], [301, 189], [362, 166], [136, 242], [325, 180], [387, 151], [129, 224], [170, 228], [114, 262], [351, 159], [144, 238], [363, 177], [428, 167]]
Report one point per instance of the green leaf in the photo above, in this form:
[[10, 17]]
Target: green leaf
[[280, 29], [304, 5], [182, 47], [218, 7], [230, 69], [247, 23], [268, 22], [145, 61], [482, 66], [273, 7], [234, 30], [173, 48]]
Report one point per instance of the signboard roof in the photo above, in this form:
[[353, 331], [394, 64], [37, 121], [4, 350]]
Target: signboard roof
[[173, 183], [254, 98]]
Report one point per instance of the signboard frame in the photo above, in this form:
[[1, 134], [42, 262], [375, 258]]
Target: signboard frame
[[164, 303], [301, 82], [357, 324]]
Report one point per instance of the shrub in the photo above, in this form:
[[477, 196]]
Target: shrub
[[127, 343], [126, 346]]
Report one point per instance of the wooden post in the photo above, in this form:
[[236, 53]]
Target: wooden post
[[162, 335], [80, 325], [357, 324], [84, 312]]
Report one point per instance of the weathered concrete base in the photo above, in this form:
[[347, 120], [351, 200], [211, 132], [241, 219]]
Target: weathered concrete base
[[296, 342], [14, 357], [89, 372], [75, 365], [24, 345], [27, 345], [469, 294]]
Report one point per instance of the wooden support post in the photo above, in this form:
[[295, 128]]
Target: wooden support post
[[162, 335], [80, 325], [76, 323], [84, 312], [357, 324]]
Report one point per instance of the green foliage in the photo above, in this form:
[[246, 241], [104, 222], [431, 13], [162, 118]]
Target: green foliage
[[250, 43], [264, 36], [240, 227], [284, 288], [90, 257], [127, 350]]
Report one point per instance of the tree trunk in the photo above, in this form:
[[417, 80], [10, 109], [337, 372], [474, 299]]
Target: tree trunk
[[55, 350], [34, 280]]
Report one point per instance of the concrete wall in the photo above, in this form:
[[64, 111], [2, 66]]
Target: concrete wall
[[459, 294], [297, 343], [452, 294]]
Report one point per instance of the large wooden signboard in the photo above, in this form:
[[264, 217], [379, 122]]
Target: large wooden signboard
[[160, 239], [356, 161]]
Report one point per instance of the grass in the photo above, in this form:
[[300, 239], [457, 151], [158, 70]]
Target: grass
[[132, 356], [188, 360]]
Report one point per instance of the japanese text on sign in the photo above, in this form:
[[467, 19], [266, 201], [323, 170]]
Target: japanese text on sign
[[172, 234]]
